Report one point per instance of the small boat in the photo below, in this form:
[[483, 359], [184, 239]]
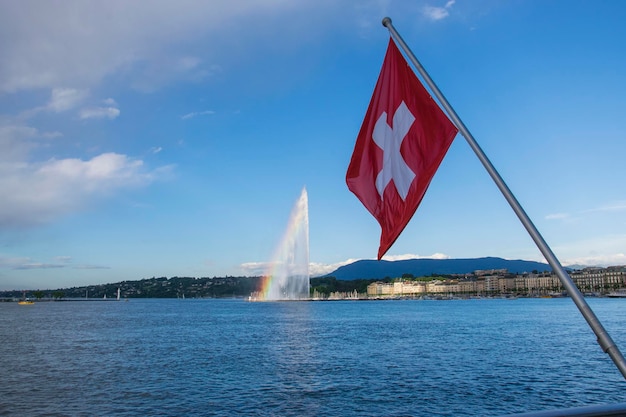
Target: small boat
[[25, 301], [617, 294]]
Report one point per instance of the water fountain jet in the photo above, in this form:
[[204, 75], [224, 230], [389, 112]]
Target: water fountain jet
[[288, 276]]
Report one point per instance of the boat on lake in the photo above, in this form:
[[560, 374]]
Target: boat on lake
[[25, 301]]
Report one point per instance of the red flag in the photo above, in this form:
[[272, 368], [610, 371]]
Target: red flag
[[402, 141]]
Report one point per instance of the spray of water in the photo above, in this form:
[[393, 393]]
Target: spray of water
[[288, 278]]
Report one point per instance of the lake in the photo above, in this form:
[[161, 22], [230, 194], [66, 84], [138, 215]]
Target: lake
[[214, 357]]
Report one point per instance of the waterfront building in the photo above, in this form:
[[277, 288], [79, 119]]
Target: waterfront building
[[593, 280]]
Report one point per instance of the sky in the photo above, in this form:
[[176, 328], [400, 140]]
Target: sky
[[156, 138]]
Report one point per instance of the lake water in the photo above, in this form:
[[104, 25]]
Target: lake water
[[343, 358]]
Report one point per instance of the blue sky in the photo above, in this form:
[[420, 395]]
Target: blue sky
[[161, 138]]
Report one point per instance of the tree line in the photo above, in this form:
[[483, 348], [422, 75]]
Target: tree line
[[188, 287]]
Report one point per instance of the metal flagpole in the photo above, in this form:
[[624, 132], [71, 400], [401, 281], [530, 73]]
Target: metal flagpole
[[605, 341]]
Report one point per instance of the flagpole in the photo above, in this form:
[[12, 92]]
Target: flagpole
[[604, 339]]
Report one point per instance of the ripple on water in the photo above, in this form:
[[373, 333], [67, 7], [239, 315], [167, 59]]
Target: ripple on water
[[229, 357]]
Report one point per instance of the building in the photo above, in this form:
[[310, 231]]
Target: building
[[596, 280]]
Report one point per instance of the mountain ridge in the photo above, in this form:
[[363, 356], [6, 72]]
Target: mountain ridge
[[373, 269]]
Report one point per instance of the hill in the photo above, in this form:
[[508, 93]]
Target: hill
[[372, 269]]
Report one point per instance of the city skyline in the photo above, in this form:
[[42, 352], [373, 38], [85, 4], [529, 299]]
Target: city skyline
[[158, 139]]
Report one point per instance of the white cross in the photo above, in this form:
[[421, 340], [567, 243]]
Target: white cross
[[390, 140]]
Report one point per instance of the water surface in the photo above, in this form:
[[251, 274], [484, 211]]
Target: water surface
[[349, 358]]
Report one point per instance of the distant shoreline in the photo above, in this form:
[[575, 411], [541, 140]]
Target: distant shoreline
[[419, 298]]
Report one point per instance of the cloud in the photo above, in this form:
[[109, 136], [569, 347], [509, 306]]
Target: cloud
[[13, 262], [63, 99], [156, 149], [315, 269], [39, 265], [606, 208], [557, 216], [15, 141], [99, 113], [73, 43], [617, 206], [412, 256], [25, 263], [194, 114], [438, 13], [51, 135], [155, 75], [19, 263], [255, 268], [90, 267], [37, 193], [597, 260], [602, 250], [319, 269]]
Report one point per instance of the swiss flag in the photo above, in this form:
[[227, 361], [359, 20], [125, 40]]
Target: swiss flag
[[402, 142]]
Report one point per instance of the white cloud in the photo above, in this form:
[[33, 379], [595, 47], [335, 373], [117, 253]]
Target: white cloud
[[151, 44], [110, 167], [156, 149], [196, 113], [38, 265], [156, 74], [255, 268], [315, 269], [557, 216], [13, 262], [25, 263], [435, 13], [14, 141], [18, 141], [597, 260], [37, 193], [606, 208], [412, 256], [63, 99], [73, 43], [603, 250], [51, 135], [438, 13], [28, 263], [91, 267], [616, 206], [319, 269], [99, 113]]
